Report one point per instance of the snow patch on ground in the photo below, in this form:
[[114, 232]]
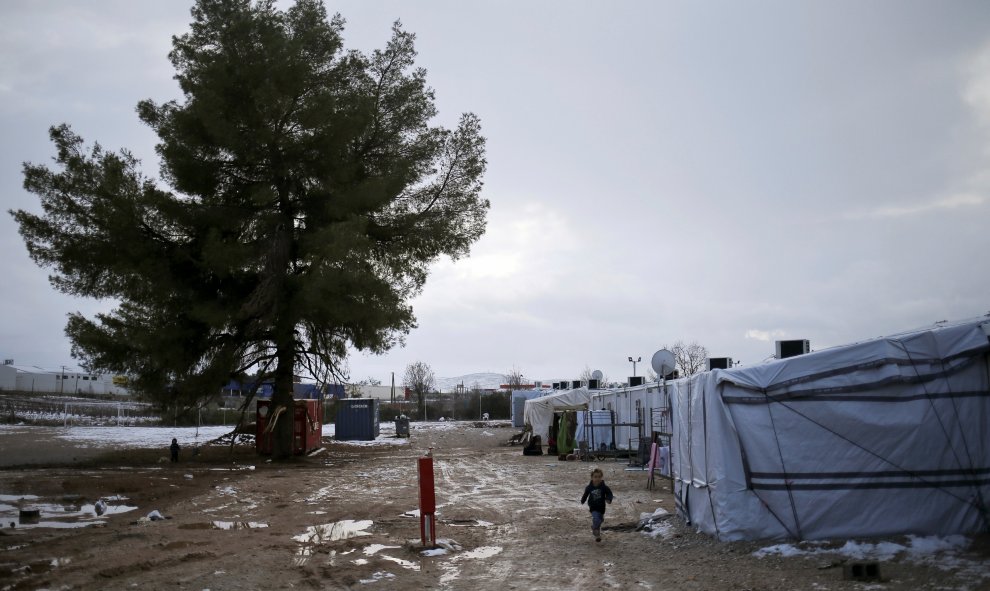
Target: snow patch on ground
[[378, 576], [917, 548], [656, 524], [940, 552], [141, 437], [330, 532]]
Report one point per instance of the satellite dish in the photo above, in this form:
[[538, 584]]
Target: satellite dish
[[597, 375], [663, 362]]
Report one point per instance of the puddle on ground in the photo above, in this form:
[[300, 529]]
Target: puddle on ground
[[65, 512], [239, 525], [451, 569], [331, 532], [302, 556], [468, 523], [373, 549], [16, 498], [378, 576], [403, 563], [225, 525], [482, 552]]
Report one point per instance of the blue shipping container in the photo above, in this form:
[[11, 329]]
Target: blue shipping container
[[357, 419]]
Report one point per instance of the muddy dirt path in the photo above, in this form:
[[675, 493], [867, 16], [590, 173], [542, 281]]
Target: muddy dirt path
[[346, 519]]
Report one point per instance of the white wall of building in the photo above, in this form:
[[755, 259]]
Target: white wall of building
[[379, 392], [37, 381], [8, 378], [70, 382]]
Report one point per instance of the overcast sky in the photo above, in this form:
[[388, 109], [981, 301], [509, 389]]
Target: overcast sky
[[723, 173]]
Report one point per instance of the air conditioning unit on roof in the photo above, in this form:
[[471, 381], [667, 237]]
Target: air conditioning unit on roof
[[794, 348], [719, 363]]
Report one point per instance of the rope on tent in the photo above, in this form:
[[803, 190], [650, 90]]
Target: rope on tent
[[773, 513], [981, 507], [746, 469], [681, 499], [704, 426], [911, 473], [787, 481]]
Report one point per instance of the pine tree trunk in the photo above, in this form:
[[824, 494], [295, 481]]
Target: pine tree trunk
[[282, 397]]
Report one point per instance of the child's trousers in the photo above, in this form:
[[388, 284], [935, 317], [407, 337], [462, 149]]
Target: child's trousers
[[597, 518]]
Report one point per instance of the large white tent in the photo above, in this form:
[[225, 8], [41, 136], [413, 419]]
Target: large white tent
[[538, 412], [877, 438], [518, 404]]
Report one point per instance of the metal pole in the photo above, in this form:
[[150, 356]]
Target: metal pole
[[634, 361]]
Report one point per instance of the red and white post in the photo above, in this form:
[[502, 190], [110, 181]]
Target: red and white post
[[427, 503]]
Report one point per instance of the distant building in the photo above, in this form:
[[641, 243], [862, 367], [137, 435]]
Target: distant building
[[378, 392], [22, 378], [510, 387], [8, 378], [300, 390]]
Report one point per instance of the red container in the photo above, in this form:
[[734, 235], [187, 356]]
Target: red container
[[307, 426]]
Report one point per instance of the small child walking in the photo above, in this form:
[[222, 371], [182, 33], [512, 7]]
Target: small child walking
[[597, 493]]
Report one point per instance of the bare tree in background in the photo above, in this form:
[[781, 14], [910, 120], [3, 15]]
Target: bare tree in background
[[419, 378], [514, 378], [690, 358], [588, 374]]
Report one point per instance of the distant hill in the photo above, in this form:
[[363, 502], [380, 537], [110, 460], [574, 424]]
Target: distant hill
[[485, 381]]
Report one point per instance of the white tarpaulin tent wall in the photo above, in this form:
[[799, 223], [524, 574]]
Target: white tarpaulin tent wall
[[878, 438], [630, 405], [539, 411], [594, 427], [519, 398]]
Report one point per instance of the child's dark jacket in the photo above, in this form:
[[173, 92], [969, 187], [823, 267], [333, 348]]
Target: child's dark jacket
[[597, 496]]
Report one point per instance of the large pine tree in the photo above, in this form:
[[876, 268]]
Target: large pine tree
[[303, 194]]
